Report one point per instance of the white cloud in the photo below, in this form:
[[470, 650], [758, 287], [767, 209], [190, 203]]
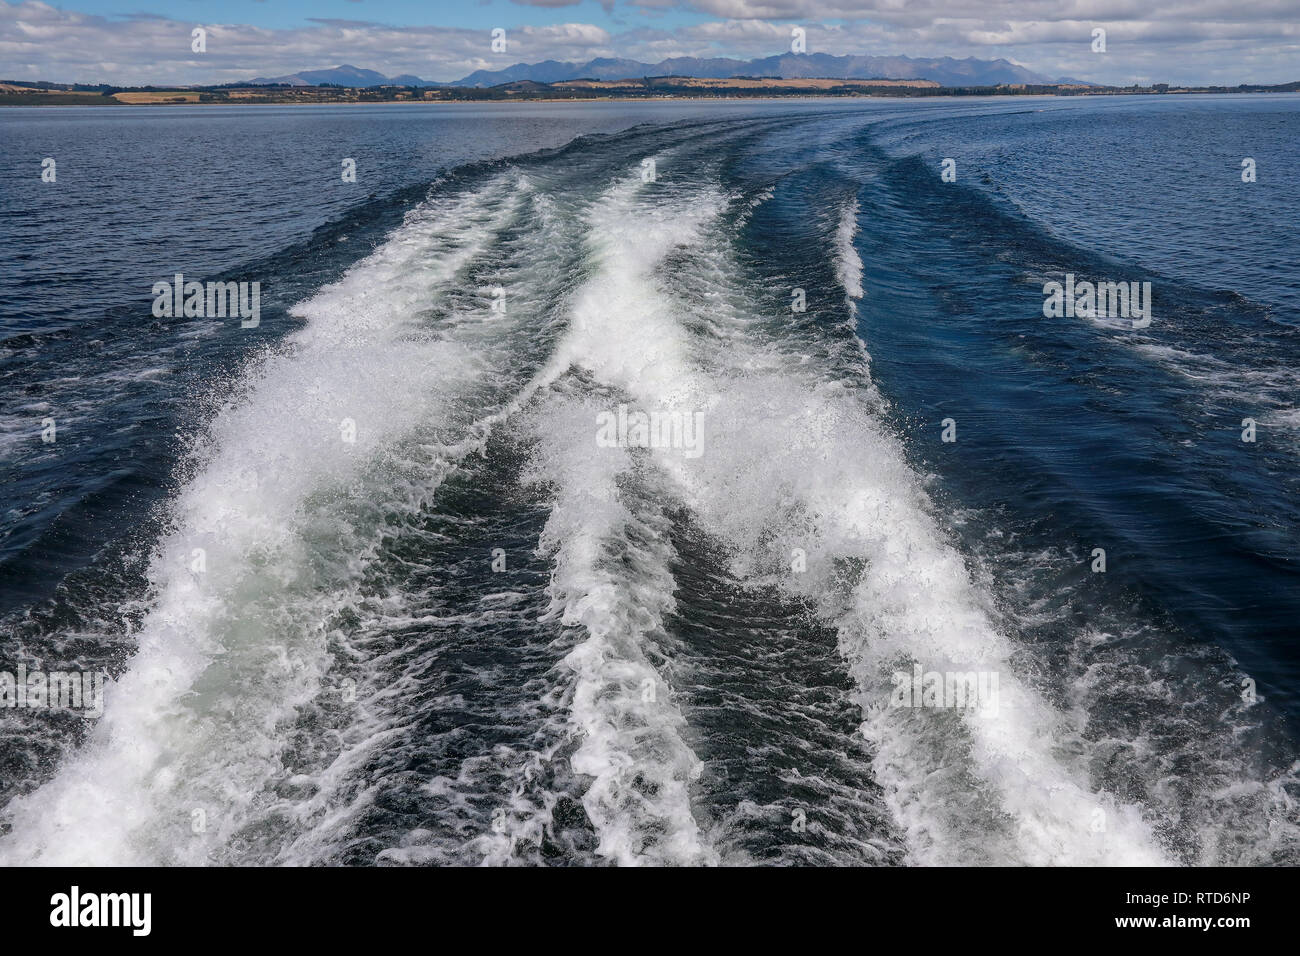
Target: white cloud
[[1213, 41], [38, 41]]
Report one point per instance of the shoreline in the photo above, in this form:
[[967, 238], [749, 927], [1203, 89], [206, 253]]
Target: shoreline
[[61, 100]]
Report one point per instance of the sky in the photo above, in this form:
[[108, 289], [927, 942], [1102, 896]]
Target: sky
[[138, 42]]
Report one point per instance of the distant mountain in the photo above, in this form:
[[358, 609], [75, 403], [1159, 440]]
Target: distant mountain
[[943, 70], [343, 76]]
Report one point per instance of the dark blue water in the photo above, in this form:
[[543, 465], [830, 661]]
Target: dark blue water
[[470, 634]]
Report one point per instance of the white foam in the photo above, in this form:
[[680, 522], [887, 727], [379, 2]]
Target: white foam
[[611, 579], [611, 555], [342, 792], [816, 471], [282, 508], [848, 264]]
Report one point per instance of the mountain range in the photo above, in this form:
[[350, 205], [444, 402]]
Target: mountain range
[[343, 76], [945, 71]]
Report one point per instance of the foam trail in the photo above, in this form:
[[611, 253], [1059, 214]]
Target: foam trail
[[279, 516], [611, 578], [912, 601], [848, 264], [610, 544], [820, 476]]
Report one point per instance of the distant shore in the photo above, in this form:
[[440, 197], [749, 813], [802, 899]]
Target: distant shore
[[15, 93], [650, 89]]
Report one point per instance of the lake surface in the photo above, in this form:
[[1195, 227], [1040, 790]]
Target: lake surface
[[381, 579]]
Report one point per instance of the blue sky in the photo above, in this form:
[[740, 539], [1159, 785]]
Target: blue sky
[[147, 41]]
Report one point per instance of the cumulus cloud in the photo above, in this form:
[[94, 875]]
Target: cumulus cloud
[[1180, 41], [917, 13], [38, 41]]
